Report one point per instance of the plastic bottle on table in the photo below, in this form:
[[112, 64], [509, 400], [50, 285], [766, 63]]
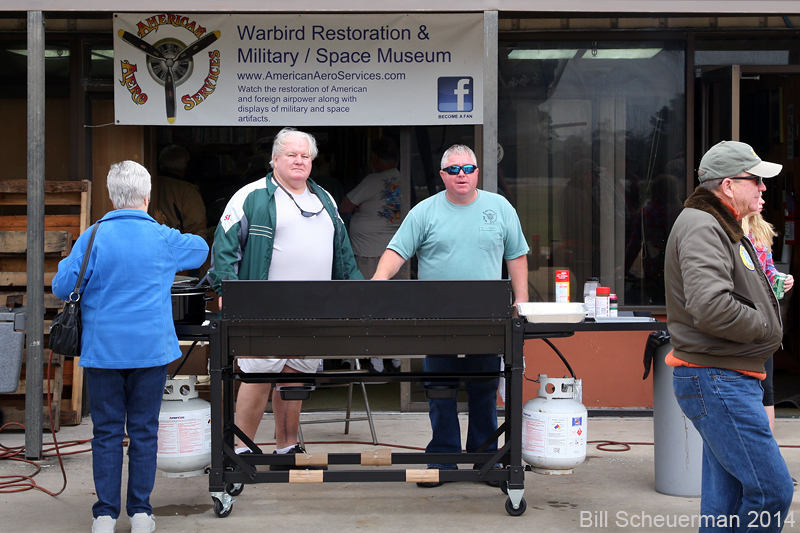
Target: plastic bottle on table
[[602, 302], [589, 294]]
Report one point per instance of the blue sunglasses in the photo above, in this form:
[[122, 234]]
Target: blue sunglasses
[[453, 170]]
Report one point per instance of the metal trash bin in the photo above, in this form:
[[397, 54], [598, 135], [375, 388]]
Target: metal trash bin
[[678, 447], [12, 344]]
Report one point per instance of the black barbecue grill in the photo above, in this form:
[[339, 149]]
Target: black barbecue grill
[[370, 318], [332, 319]]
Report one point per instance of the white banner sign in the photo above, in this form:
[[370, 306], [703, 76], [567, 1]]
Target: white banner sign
[[298, 70]]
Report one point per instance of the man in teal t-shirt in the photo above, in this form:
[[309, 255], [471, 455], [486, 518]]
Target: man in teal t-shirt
[[461, 233]]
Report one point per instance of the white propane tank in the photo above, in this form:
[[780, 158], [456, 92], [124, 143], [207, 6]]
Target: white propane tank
[[184, 430], [554, 427]]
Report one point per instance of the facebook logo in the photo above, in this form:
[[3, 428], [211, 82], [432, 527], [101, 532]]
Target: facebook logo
[[455, 94]]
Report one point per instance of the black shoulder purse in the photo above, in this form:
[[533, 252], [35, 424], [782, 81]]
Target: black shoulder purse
[[65, 329]]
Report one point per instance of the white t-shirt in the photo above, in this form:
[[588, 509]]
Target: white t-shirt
[[374, 224], [302, 250], [303, 246]]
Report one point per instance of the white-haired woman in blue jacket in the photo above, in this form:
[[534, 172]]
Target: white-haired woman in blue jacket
[[128, 338]]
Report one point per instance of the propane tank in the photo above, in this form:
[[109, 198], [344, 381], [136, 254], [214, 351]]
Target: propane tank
[[184, 430], [554, 427]]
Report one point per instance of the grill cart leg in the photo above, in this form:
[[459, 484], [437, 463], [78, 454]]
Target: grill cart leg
[[515, 504], [223, 503]]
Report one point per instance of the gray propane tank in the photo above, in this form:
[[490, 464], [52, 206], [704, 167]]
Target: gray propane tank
[[554, 427], [184, 430]]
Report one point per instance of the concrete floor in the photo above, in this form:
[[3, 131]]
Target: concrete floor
[[616, 485]]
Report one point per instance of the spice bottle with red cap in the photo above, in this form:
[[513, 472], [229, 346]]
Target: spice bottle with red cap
[[602, 302]]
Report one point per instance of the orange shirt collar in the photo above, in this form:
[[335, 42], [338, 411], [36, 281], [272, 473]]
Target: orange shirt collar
[[732, 209]]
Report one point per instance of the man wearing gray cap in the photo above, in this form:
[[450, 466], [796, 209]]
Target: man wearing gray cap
[[725, 322]]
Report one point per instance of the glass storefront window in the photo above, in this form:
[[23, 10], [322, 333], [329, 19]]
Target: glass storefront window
[[593, 142], [716, 51], [14, 57], [749, 57], [101, 56]]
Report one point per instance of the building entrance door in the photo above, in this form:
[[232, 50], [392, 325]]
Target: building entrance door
[[720, 101], [760, 105]]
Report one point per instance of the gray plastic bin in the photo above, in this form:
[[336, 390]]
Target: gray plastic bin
[[678, 446], [12, 344]]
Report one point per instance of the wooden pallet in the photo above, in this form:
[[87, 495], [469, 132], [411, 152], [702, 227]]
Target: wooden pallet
[[67, 215]]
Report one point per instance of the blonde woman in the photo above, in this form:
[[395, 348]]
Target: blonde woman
[[760, 232]]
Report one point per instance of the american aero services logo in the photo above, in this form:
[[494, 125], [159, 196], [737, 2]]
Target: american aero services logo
[[170, 61], [456, 94], [746, 259]]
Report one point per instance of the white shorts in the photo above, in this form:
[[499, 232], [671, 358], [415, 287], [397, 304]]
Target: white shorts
[[251, 365]]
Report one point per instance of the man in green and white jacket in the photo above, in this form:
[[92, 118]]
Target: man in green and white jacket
[[281, 227]]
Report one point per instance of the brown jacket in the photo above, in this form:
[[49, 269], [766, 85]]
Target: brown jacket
[[721, 311], [178, 204]]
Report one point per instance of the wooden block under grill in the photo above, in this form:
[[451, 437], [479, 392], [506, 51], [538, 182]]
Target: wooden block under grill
[[305, 476], [428, 475], [381, 457], [308, 459]]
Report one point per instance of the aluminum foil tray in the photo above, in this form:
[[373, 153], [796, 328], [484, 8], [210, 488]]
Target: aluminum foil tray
[[550, 312], [622, 319]]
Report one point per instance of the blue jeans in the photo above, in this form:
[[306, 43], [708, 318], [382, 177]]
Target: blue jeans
[[482, 402], [745, 482], [115, 395]]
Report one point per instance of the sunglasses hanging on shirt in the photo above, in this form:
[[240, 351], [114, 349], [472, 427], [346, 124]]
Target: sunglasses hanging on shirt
[[307, 214]]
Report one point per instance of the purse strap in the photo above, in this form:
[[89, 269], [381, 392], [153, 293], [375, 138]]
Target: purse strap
[[76, 292]]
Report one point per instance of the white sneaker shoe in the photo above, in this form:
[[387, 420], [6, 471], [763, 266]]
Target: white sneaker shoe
[[104, 524], [142, 523]]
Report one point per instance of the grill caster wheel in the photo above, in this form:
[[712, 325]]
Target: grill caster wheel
[[220, 511], [504, 487], [234, 489], [510, 507]]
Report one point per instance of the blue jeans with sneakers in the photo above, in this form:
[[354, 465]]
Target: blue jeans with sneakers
[[120, 398], [745, 483], [482, 403]]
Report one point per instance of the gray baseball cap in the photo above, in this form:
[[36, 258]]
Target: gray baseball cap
[[729, 158]]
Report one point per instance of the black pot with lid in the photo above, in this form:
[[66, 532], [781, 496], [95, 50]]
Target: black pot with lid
[[189, 300]]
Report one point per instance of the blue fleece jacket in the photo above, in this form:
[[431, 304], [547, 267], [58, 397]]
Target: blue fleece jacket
[[126, 302]]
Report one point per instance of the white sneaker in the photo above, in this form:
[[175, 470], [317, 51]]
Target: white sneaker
[[104, 524], [142, 523]]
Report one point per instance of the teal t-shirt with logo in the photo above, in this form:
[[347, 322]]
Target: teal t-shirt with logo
[[461, 241]]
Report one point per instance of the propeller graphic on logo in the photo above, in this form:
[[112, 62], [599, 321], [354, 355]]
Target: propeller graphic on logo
[[170, 62]]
